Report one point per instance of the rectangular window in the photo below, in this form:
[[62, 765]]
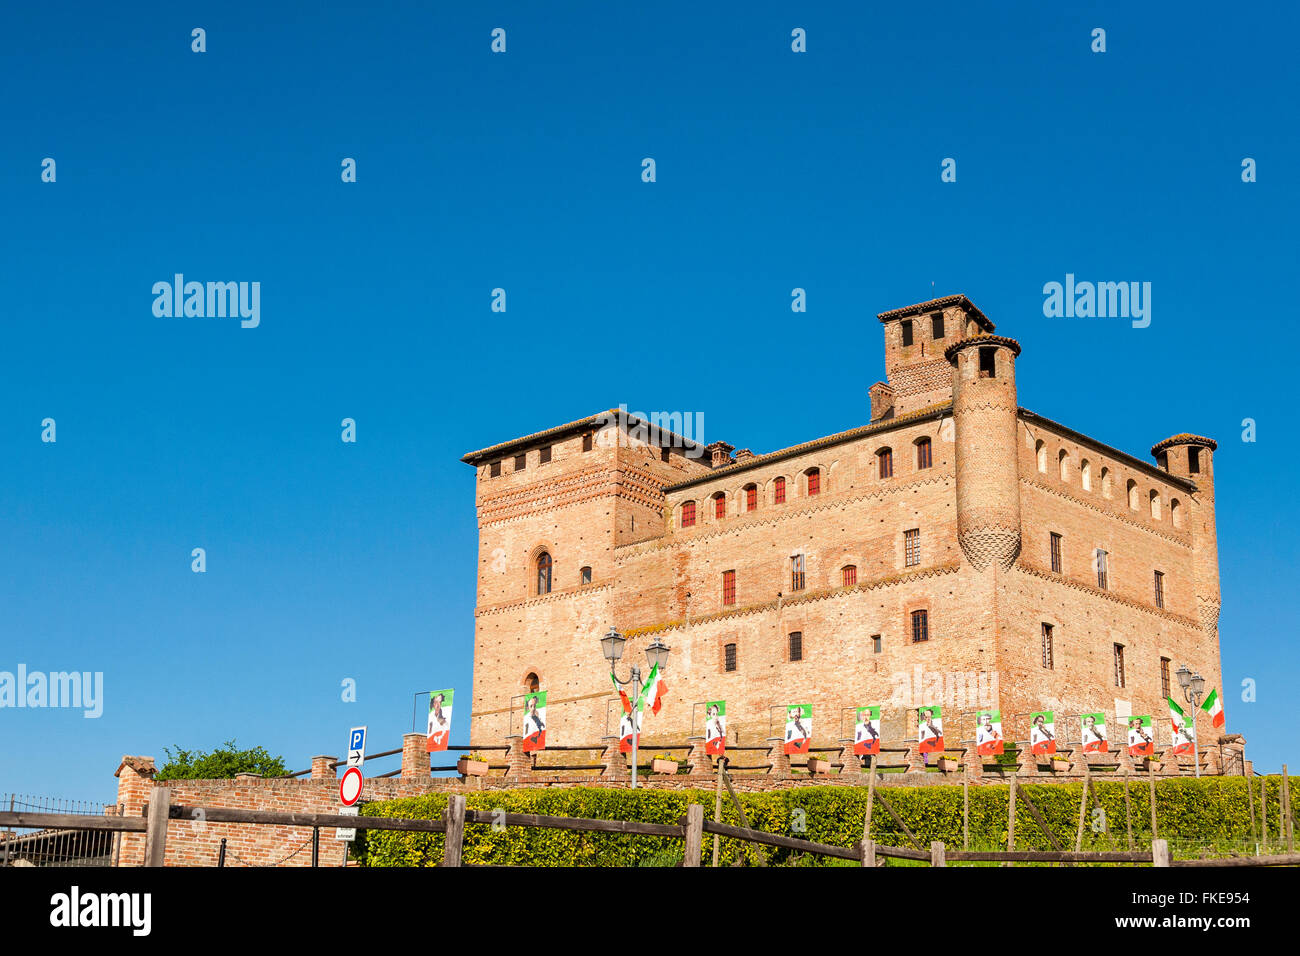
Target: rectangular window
[[796, 646], [850, 574], [923, 459], [988, 363], [886, 459], [920, 626], [688, 514], [1056, 553], [814, 482], [728, 587], [907, 332], [521, 461], [1194, 461], [729, 653], [936, 325], [912, 547], [780, 491], [751, 498], [796, 573], [586, 575], [1160, 589], [1119, 665], [544, 454], [720, 507], [586, 442], [1047, 646], [494, 469], [1101, 572], [875, 643], [1164, 677]]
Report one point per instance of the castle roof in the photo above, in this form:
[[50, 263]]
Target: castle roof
[[598, 420], [1184, 439], [983, 338], [933, 305]]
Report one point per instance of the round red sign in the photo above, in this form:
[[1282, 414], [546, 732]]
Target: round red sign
[[350, 786]]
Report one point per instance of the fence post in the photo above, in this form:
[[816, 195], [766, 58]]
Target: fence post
[[965, 807], [694, 835], [1160, 853], [455, 838], [1286, 805], [869, 853], [938, 855], [155, 834], [1011, 817]]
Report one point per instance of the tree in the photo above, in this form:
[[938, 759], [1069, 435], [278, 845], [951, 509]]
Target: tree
[[221, 764]]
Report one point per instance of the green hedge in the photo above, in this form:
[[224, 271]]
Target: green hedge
[[1197, 816]]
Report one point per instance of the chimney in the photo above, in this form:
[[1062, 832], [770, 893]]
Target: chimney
[[882, 401], [720, 453], [744, 455]]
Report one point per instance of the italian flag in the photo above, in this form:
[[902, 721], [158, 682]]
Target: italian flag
[[653, 692], [1214, 707]]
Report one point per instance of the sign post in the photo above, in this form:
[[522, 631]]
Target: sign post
[[351, 784]]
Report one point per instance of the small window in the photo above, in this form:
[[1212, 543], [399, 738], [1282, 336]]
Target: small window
[[1162, 461], [936, 325], [494, 470], [1105, 483], [885, 463], [751, 497], [850, 573], [814, 481], [664, 453], [719, 506], [688, 514], [797, 572], [920, 626], [728, 587], [1176, 512], [1056, 552], [521, 461], [1194, 461], [1155, 504], [1040, 455], [729, 657], [1160, 589], [544, 454], [1085, 474], [586, 575], [988, 363], [875, 643], [1132, 495], [1063, 464], [923, 459], [907, 332], [1119, 665], [586, 442], [1047, 646], [912, 547], [796, 646], [1101, 570], [778, 488], [1164, 677], [543, 573], [532, 682]]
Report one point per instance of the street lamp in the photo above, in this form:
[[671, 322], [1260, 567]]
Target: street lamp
[[1193, 686], [611, 646]]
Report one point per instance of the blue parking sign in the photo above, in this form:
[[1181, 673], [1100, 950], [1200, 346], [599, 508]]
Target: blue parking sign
[[358, 740]]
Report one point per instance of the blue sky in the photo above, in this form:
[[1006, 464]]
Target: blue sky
[[521, 170]]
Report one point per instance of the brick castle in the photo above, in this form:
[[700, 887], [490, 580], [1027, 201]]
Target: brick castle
[[955, 537]]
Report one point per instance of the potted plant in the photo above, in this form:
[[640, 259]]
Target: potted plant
[[949, 763], [817, 764], [663, 763], [1150, 764], [1060, 763], [472, 765]]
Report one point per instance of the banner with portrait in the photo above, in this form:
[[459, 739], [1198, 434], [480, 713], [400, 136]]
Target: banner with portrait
[[438, 736], [715, 727], [798, 728], [535, 721], [1182, 729], [1093, 733], [988, 733], [1141, 741], [626, 728], [929, 729], [866, 731], [1042, 732]]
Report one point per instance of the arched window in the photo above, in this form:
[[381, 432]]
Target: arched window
[[719, 506], [885, 463], [850, 572], [751, 497], [1063, 464], [1040, 452], [1105, 482], [543, 573], [814, 481], [1133, 494], [585, 575], [778, 491], [1176, 512], [923, 457], [1085, 474], [688, 514], [532, 682], [1155, 504]]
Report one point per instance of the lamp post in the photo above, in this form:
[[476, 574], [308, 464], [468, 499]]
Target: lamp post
[[611, 645], [1193, 686]]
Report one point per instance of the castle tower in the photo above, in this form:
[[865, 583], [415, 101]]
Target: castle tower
[[1192, 457], [915, 340], [984, 423]]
